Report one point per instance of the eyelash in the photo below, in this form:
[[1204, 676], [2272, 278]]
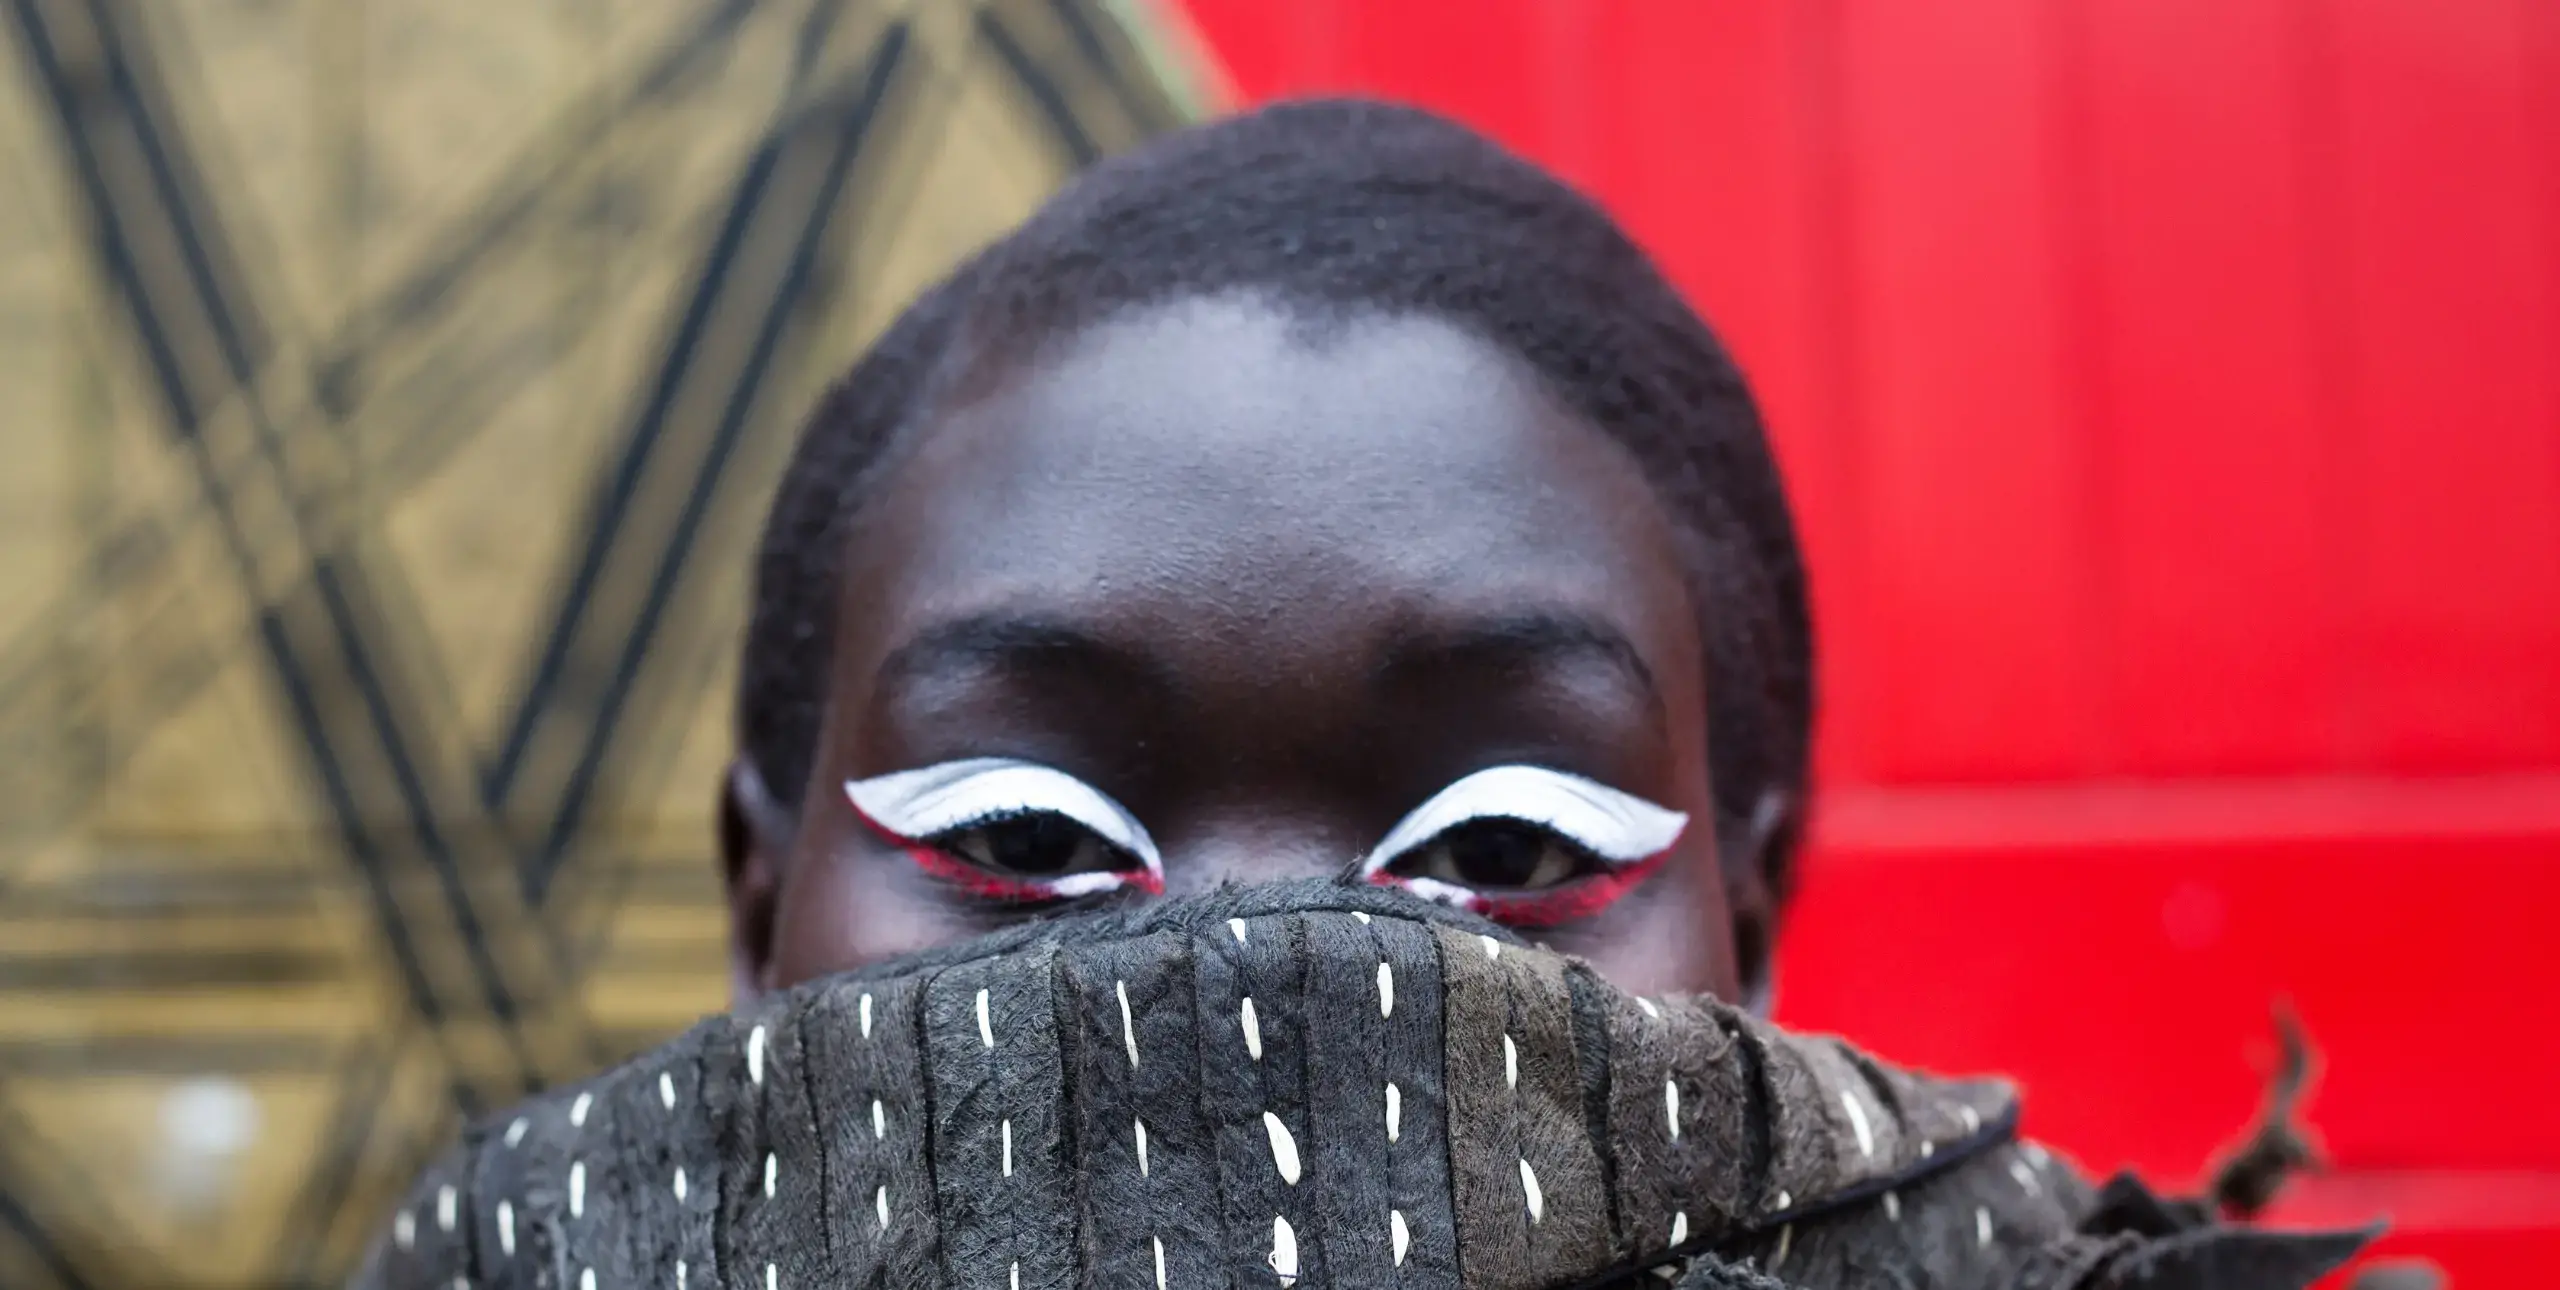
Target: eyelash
[[925, 812], [1567, 902], [1623, 838]]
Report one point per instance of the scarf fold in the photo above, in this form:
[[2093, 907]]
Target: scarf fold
[[1303, 1084]]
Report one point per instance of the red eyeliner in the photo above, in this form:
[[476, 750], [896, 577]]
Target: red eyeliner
[[979, 884], [1556, 906]]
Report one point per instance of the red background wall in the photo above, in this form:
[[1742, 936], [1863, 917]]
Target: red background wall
[[2168, 390]]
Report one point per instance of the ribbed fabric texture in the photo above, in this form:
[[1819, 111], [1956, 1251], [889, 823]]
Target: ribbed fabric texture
[[1305, 1085]]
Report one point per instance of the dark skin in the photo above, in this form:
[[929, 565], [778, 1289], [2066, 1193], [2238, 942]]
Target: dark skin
[[1269, 588]]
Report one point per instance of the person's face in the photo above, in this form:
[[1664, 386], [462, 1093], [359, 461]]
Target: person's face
[[1263, 595]]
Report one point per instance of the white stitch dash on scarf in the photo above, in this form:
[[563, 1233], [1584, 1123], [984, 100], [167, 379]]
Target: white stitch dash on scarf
[[1893, 1207], [1982, 1227], [1016, 1274], [1679, 1229], [1235, 927], [1786, 1238], [768, 1175], [879, 1120], [578, 1189], [1386, 990], [771, 1277], [1364, 918], [880, 1205], [1284, 1250], [1395, 1111], [1858, 1123], [866, 1016], [1159, 1261], [444, 1207], [755, 1055], [578, 1110], [1785, 1201], [1510, 1062], [986, 1032], [679, 1183], [1252, 1028], [1492, 947], [1529, 1189], [515, 1131], [1671, 1106], [680, 1269], [666, 1090], [1649, 1009], [507, 1228], [586, 1279], [404, 1230], [1128, 1025], [1398, 1238], [1006, 1129], [1142, 1147], [1284, 1149], [1972, 1119], [2026, 1178]]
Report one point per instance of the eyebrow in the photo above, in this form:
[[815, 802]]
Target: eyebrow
[[1533, 639], [1013, 640]]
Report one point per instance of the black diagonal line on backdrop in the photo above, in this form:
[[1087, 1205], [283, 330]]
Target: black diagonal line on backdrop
[[317, 644], [606, 511], [488, 227], [421, 421], [17, 1168], [363, 1079], [1042, 87], [1110, 58], [590, 662], [37, 34], [31, 1236]]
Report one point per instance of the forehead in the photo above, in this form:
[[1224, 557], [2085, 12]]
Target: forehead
[[1216, 469]]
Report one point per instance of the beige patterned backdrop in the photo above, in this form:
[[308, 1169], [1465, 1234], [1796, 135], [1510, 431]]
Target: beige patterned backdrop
[[389, 391]]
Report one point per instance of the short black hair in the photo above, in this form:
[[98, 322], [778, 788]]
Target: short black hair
[[1333, 208]]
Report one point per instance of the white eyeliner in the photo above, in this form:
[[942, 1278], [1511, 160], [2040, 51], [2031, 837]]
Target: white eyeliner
[[935, 800], [1618, 828]]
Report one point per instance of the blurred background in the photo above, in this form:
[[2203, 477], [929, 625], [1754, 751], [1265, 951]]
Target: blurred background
[[389, 391]]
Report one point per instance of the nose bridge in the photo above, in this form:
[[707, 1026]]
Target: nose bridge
[[1259, 844]]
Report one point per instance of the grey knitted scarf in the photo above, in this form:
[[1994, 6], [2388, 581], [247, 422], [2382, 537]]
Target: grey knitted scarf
[[1306, 1085]]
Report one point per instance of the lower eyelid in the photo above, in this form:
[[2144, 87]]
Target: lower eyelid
[[979, 883], [1567, 902], [1573, 901]]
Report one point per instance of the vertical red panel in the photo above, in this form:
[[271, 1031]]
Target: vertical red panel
[[1707, 162], [1478, 62], [1975, 488], [2204, 404], [2454, 440], [2129, 984], [1252, 41]]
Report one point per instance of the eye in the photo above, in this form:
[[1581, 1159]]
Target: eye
[[1041, 845], [1010, 829], [1496, 855], [1518, 843]]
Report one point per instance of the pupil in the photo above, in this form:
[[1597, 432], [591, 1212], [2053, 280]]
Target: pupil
[[1041, 844], [1497, 855]]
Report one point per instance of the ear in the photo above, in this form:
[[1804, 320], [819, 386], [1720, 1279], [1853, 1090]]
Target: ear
[[755, 839], [1757, 873]]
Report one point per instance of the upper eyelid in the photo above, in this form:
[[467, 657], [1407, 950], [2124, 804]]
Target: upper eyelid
[[934, 800], [1617, 827]]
